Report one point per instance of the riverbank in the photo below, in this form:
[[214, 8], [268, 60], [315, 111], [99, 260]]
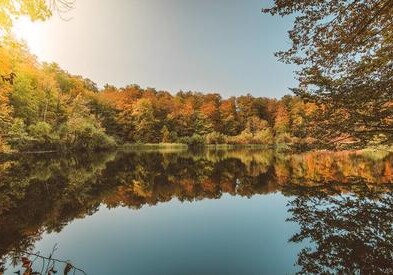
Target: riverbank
[[182, 147]]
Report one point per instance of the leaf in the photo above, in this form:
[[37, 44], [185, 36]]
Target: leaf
[[28, 271], [25, 260]]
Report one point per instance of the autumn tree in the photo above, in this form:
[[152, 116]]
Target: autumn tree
[[145, 124], [246, 107], [281, 122], [210, 109], [48, 108], [5, 107], [183, 115], [344, 53], [5, 116], [229, 117], [166, 136]]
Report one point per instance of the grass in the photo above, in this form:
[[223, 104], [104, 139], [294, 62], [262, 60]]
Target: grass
[[378, 152], [169, 147], [235, 146], [154, 147]]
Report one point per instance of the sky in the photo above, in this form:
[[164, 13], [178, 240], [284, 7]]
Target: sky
[[223, 46]]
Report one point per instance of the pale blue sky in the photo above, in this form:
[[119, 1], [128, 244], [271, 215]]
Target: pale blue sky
[[223, 46]]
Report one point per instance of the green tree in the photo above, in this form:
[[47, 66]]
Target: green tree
[[25, 99], [246, 108], [165, 134], [144, 121], [5, 116], [41, 131], [202, 125], [255, 124], [264, 136], [215, 138], [18, 136]]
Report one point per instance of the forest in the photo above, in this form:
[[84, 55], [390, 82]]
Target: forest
[[344, 97], [47, 108], [43, 107]]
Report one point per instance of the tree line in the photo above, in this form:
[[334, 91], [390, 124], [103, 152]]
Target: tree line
[[343, 52], [46, 108]]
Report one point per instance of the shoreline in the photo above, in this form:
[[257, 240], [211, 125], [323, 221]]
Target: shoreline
[[183, 146]]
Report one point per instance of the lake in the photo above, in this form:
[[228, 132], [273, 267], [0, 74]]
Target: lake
[[237, 211]]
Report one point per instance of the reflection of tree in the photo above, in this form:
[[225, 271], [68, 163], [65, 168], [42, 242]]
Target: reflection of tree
[[349, 234], [39, 194]]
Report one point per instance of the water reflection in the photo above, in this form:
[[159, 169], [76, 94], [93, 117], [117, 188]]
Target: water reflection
[[342, 201], [349, 234]]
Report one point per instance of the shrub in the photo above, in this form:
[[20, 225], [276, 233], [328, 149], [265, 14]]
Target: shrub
[[42, 135], [245, 137], [193, 141], [283, 138], [18, 137], [91, 138], [215, 138], [263, 137]]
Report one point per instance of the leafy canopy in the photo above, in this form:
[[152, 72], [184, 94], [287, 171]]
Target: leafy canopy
[[344, 50]]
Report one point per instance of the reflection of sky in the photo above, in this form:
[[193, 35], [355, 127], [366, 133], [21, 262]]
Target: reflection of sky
[[231, 235]]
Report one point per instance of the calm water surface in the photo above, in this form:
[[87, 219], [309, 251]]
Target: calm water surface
[[208, 212]]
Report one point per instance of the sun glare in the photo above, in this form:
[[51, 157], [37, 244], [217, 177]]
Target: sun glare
[[30, 32]]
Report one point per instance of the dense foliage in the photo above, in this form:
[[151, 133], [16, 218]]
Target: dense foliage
[[46, 108], [344, 52], [133, 114]]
